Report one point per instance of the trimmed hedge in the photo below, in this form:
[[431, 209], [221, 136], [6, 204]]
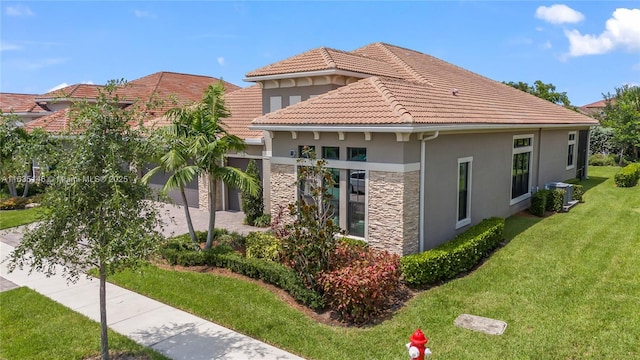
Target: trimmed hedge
[[270, 272], [454, 257], [539, 202], [628, 176], [555, 200]]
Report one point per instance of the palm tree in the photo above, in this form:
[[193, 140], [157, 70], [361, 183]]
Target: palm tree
[[206, 143], [175, 162]]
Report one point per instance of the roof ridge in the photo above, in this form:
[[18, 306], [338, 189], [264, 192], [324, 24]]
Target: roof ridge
[[327, 57], [417, 76], [387, 94]]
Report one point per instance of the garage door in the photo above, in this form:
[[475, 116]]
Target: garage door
[[158, 180]]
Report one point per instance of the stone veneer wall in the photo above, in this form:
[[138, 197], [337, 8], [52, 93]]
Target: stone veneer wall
[[203, 193], [394, 207], [283, 190]]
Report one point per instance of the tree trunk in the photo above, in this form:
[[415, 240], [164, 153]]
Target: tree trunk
[[621, 161], [104, 340], [212, 211], [26, 187], [192, 232], [11, 184]]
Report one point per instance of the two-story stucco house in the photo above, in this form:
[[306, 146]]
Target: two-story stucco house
[[421, 149]]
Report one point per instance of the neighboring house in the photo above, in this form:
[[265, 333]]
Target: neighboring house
[[163, 90], [422, 149], [22, 105], [595, 109]]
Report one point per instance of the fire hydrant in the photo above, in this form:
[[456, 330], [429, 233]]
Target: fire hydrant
[[416, 347]]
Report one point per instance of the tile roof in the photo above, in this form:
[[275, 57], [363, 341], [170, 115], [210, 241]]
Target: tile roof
[[55, 123], [326, 59], [171, 89], [20, 103], [424, 96], [244, 106]]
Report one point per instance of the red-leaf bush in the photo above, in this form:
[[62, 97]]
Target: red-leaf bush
[[363, 283]]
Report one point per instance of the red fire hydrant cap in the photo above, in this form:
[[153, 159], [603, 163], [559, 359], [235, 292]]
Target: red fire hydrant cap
[[418, 338]]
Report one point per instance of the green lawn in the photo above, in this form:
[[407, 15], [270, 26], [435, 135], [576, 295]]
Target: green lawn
[[36, 327], [568, 286], [12, 218]]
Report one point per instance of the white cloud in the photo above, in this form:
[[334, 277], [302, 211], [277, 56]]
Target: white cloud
[[547, 45], [559, 14], [64, 85], [143, 14], [5, 46], [622, 30], [18, 10], [221, 61], [58, 87]]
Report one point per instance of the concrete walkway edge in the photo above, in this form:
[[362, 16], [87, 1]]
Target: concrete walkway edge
[[172, 332]]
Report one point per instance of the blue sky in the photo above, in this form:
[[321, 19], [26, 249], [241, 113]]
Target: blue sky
[[584, 48]]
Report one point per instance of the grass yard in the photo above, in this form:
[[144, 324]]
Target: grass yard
[[13, 218], [568, 286], [36, 327]]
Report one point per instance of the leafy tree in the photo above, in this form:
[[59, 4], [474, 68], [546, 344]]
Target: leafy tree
[[622, 115], [309, 242], [102, 217], [601, 140], [18, 148], [207, 142], [544, 91], [252, 205]]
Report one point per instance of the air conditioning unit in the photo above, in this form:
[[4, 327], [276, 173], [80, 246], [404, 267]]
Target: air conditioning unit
[[568, 193]]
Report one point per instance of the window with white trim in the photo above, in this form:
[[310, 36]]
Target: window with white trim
[[275, 103], [571, 149], [464, 192], [521, 168]]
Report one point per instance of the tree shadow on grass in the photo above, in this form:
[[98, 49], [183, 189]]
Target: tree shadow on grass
[[592, 182]]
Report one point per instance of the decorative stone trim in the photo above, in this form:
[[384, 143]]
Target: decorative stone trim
[[393, 214], [283, 190]]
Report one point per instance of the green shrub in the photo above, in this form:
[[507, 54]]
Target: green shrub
[[234, 240], [602, 160], [555, 200], [262, 245], [628, 176], [252, 204], [578, 191], [539, 202], [263, 221], [454, 257]]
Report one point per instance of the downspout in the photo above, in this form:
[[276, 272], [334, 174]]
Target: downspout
[[423, 172], [538, 160]]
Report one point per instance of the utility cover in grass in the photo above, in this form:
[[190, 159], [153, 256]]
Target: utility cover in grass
[[482, 324]]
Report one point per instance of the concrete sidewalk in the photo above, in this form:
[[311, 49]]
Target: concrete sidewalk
[[172, 332]]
